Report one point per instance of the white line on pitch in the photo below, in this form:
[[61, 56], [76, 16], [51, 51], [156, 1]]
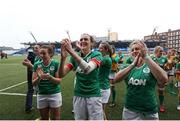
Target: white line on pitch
[[5, 64], [14, 94], [12, 86]]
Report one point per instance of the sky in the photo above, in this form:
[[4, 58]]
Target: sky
[[49, 20]]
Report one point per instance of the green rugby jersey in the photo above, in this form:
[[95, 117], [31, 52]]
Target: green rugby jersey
[[129, 60], [178, 65], [47, 86], [104, 72], [37, 59], [178, 68], [141, 92], [161, 61], [87, 85]]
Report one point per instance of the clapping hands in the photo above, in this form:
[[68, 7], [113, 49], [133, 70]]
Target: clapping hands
[[26, 62], [66, 43], [42, 75]]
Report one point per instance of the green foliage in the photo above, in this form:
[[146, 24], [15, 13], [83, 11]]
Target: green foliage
[[13, 107]]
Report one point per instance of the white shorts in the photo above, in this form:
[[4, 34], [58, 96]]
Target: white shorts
[[52, 101], [112, 75], [105, 95], [87, 108], [131, 115]]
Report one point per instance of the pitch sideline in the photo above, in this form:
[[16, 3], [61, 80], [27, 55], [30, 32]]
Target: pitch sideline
[[14, 94], [13, 86]]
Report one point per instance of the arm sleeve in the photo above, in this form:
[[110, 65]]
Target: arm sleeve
[[94, 63], [87, 67]]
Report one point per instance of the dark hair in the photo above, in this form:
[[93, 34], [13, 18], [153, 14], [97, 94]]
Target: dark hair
[[49, 48], [107, 47], [36, 46]]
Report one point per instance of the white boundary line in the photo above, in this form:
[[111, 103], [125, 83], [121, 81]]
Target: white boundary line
[[12, 86], [14, 94], [5, 64]]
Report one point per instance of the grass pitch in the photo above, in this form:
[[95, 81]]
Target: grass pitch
[[12, 105]]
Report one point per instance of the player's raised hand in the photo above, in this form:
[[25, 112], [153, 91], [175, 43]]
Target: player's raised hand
[[136, 59], [67, 45], [39, 71], [64, 53], [26, 62]]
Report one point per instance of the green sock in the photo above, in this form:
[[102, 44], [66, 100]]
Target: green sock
[[161, 99]]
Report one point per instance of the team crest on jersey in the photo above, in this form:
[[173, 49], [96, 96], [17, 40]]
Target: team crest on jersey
[[39, 66], [52, 68], [146, 70]]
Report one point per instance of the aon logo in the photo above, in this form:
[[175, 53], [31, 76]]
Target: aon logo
[[137, 81]]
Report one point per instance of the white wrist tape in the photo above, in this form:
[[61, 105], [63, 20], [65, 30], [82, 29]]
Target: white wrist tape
[[87, 67]]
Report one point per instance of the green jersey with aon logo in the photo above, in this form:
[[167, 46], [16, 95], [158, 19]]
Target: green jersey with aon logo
[[141, 92], [87, 85], [47, 86]]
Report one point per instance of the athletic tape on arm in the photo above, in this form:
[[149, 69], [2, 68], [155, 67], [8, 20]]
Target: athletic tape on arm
[[87, 67]]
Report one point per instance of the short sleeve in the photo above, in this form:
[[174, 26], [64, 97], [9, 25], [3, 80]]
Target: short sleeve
[[97, 58]]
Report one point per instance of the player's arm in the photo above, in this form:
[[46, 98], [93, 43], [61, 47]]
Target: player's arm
[[35, 78], [64, 69], [122, 74], [49, 77], [157, 71], [27, 63], [86, 67], [56, 79]]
